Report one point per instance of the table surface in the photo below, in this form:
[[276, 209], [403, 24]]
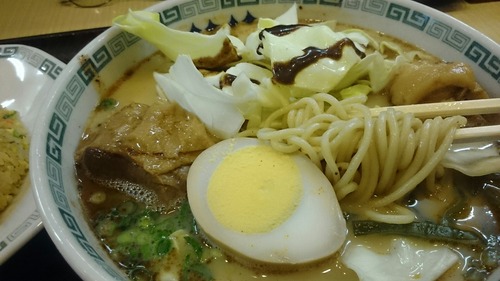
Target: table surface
[[22, 21]]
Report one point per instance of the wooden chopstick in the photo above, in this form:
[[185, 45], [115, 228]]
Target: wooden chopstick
[[484, 133], [464, 108], [431, 110]]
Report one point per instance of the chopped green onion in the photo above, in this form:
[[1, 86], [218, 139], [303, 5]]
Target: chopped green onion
[[9, 115], [195, 244], [107, 103]]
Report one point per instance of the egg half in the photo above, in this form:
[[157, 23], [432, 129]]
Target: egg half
[[266, 206]]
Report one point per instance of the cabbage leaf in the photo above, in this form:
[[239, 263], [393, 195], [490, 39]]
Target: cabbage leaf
[[325, 73], [185, 85], [223, 111], [255, 89], [404, 262], [173, 42]]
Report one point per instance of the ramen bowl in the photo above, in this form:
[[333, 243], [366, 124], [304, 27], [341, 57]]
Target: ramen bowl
[[106, 59]]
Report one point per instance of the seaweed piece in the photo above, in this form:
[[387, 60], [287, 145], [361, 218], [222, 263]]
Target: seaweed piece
[[424, 229]]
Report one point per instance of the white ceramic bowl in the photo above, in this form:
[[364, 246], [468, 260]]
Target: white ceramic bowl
[[73, 96]]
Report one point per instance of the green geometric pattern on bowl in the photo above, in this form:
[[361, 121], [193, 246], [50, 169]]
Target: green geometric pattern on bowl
[[31, 56]]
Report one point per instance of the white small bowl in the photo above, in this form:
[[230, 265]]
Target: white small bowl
[[73, 97], [26, 73]]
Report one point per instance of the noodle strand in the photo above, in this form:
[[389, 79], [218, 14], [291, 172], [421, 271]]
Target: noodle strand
[[370, 161]]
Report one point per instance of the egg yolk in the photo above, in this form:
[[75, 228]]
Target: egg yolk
[[254, 189]]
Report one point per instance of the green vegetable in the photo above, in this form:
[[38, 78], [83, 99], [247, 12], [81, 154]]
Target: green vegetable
[[196, 245], [185, 85], [9, 115], [425, 229], [17, 134], [321, 76], [140, 274], [173, 42], [164, 246], [329, 61], [141, 239], [107, 103], [192, 266], [358, 89], [106, 227]]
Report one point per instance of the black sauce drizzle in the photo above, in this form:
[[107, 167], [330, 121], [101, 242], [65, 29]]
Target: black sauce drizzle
[[228, 79], [285, 72], [281, 30]]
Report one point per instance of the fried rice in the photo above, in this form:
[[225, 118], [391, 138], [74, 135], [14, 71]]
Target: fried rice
[[14, 148]]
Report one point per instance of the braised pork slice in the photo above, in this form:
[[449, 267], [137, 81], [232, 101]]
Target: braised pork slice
[[147, 145], [423, 82]]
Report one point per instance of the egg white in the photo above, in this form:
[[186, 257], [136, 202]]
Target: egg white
[[315, 230]]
